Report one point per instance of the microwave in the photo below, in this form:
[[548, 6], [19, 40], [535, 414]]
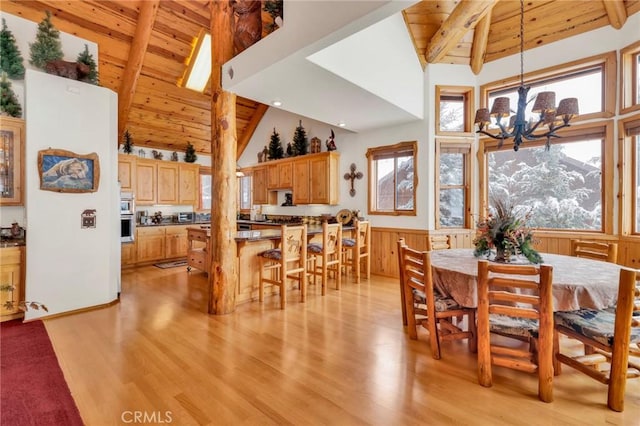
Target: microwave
[[127, 205], [185, 217]]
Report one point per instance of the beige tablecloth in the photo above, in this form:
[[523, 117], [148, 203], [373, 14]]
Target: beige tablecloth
[[577, 282]]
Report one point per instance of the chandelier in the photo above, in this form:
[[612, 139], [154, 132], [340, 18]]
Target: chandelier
[[518, 127]]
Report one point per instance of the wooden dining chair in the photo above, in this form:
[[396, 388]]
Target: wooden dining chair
[[439, 242], [289, 261], [598, 250], [426, 306], [356, 250], [610, 333], [516, 300], [327, 256]]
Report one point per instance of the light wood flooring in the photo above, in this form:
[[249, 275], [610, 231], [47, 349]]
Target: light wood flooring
[[341, 359]]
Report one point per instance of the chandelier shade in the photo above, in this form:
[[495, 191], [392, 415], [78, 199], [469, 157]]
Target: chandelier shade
[[519, 128]]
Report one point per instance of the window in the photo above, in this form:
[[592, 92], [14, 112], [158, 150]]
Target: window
[[453, 186], [244, 193], [453, 110], [392, 179], [630, 88], [630, 151], [591, 80], [205, 189], [565, 186]]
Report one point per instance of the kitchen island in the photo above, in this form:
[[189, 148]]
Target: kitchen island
[[250, 243]]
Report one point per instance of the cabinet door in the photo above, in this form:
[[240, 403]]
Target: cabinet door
[[285, 175], [176, 242], [323, 179], [128, 254], [150, 245], [259, 181], [273, 179], [11, 274], [127, 172], [188, 184], [167, 183], [301, 182], [11, 161], [146, 178]]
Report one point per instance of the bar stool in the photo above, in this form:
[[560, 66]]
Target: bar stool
[[355, 250], [329, 252], [287, 262]]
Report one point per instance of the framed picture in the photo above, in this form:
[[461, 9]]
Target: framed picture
[[66, 171]]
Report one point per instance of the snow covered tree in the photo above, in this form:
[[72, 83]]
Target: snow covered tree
[[10, 57], [300, 142], [275, 146], [8, 102], [47, 46], [87, 58]]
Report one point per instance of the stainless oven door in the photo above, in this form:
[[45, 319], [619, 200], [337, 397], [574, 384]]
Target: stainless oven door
[[127, 228]]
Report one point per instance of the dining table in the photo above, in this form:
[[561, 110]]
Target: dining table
[[577, 282]]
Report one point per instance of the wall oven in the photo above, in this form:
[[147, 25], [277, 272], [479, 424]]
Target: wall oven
[[127, 205], [127, 217]]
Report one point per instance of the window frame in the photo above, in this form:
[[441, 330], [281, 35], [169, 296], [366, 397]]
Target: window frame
[[468, 94], [204, 171], [392, 151], [629, 71], [246, 178], [628, 180], [443, 146], [607, 61], [608, 193]]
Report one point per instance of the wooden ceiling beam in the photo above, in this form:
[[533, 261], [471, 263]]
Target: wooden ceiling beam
[[251, 128], [616, 12], [146, 18], [479, 46], [462, 19]]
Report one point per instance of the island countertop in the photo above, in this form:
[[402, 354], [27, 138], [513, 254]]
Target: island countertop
[[268, 234]]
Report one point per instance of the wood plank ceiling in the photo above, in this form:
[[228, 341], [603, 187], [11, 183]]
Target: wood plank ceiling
[[165, 116]]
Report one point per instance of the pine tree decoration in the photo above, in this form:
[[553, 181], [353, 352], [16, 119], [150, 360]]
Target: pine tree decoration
[[275, 147], [190, 154], [300, 142], [87, 58], [127, 142], [10, 57], [8, 102], [47, 46]]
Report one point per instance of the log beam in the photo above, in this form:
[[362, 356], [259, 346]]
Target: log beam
[[223, 273], [462, 19], [146, 18], [616, 12], [479, 47], [261, 109]]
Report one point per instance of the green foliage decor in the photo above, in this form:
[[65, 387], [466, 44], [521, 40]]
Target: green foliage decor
[[300, 141], [506, 231], [275, 146], [127, 142], [47, 46], [10, 57], [8, 102], [190, 154], [86, 58]]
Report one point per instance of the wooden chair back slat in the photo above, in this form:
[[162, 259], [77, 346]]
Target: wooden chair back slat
[[597, 250]]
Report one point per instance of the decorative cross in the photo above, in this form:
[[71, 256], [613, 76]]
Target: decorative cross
[[353, 176]]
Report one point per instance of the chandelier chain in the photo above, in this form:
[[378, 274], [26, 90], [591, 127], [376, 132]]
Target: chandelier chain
[[521, 42]]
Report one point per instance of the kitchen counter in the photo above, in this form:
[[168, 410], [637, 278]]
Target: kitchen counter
[[12, 242], [172, 224], [272, 234]]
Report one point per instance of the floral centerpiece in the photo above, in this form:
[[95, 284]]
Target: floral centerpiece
[[505, 230]]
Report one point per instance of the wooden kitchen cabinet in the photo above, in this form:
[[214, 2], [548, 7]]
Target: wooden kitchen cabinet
[[168, 182], [12, 274], [198, 248], [301, 181], [323, 178], [128, 254], [188, 188], [259, 181], [280, 175], [11, 161], [127, 172], [176, 242], [150, 244], [146, 181]]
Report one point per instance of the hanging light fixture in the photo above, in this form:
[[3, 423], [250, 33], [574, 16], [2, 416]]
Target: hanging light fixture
[[518, 127]]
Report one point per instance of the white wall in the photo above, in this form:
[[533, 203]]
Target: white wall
[[68, 267]]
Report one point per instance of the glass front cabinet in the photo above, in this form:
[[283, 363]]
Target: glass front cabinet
[[11, 159]]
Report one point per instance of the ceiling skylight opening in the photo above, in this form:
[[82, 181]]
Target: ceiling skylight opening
[[196, 76]]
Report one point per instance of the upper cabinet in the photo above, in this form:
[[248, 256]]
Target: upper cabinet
[[166, 182], [260, 193], [280, 175], [11, 161], [127, 172]]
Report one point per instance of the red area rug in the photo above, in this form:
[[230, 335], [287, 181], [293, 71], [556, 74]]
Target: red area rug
[[32, 387]]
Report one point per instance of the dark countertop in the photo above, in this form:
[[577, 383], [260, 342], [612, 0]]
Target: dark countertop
[[274, 234], [171, 224], [17, 242]]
